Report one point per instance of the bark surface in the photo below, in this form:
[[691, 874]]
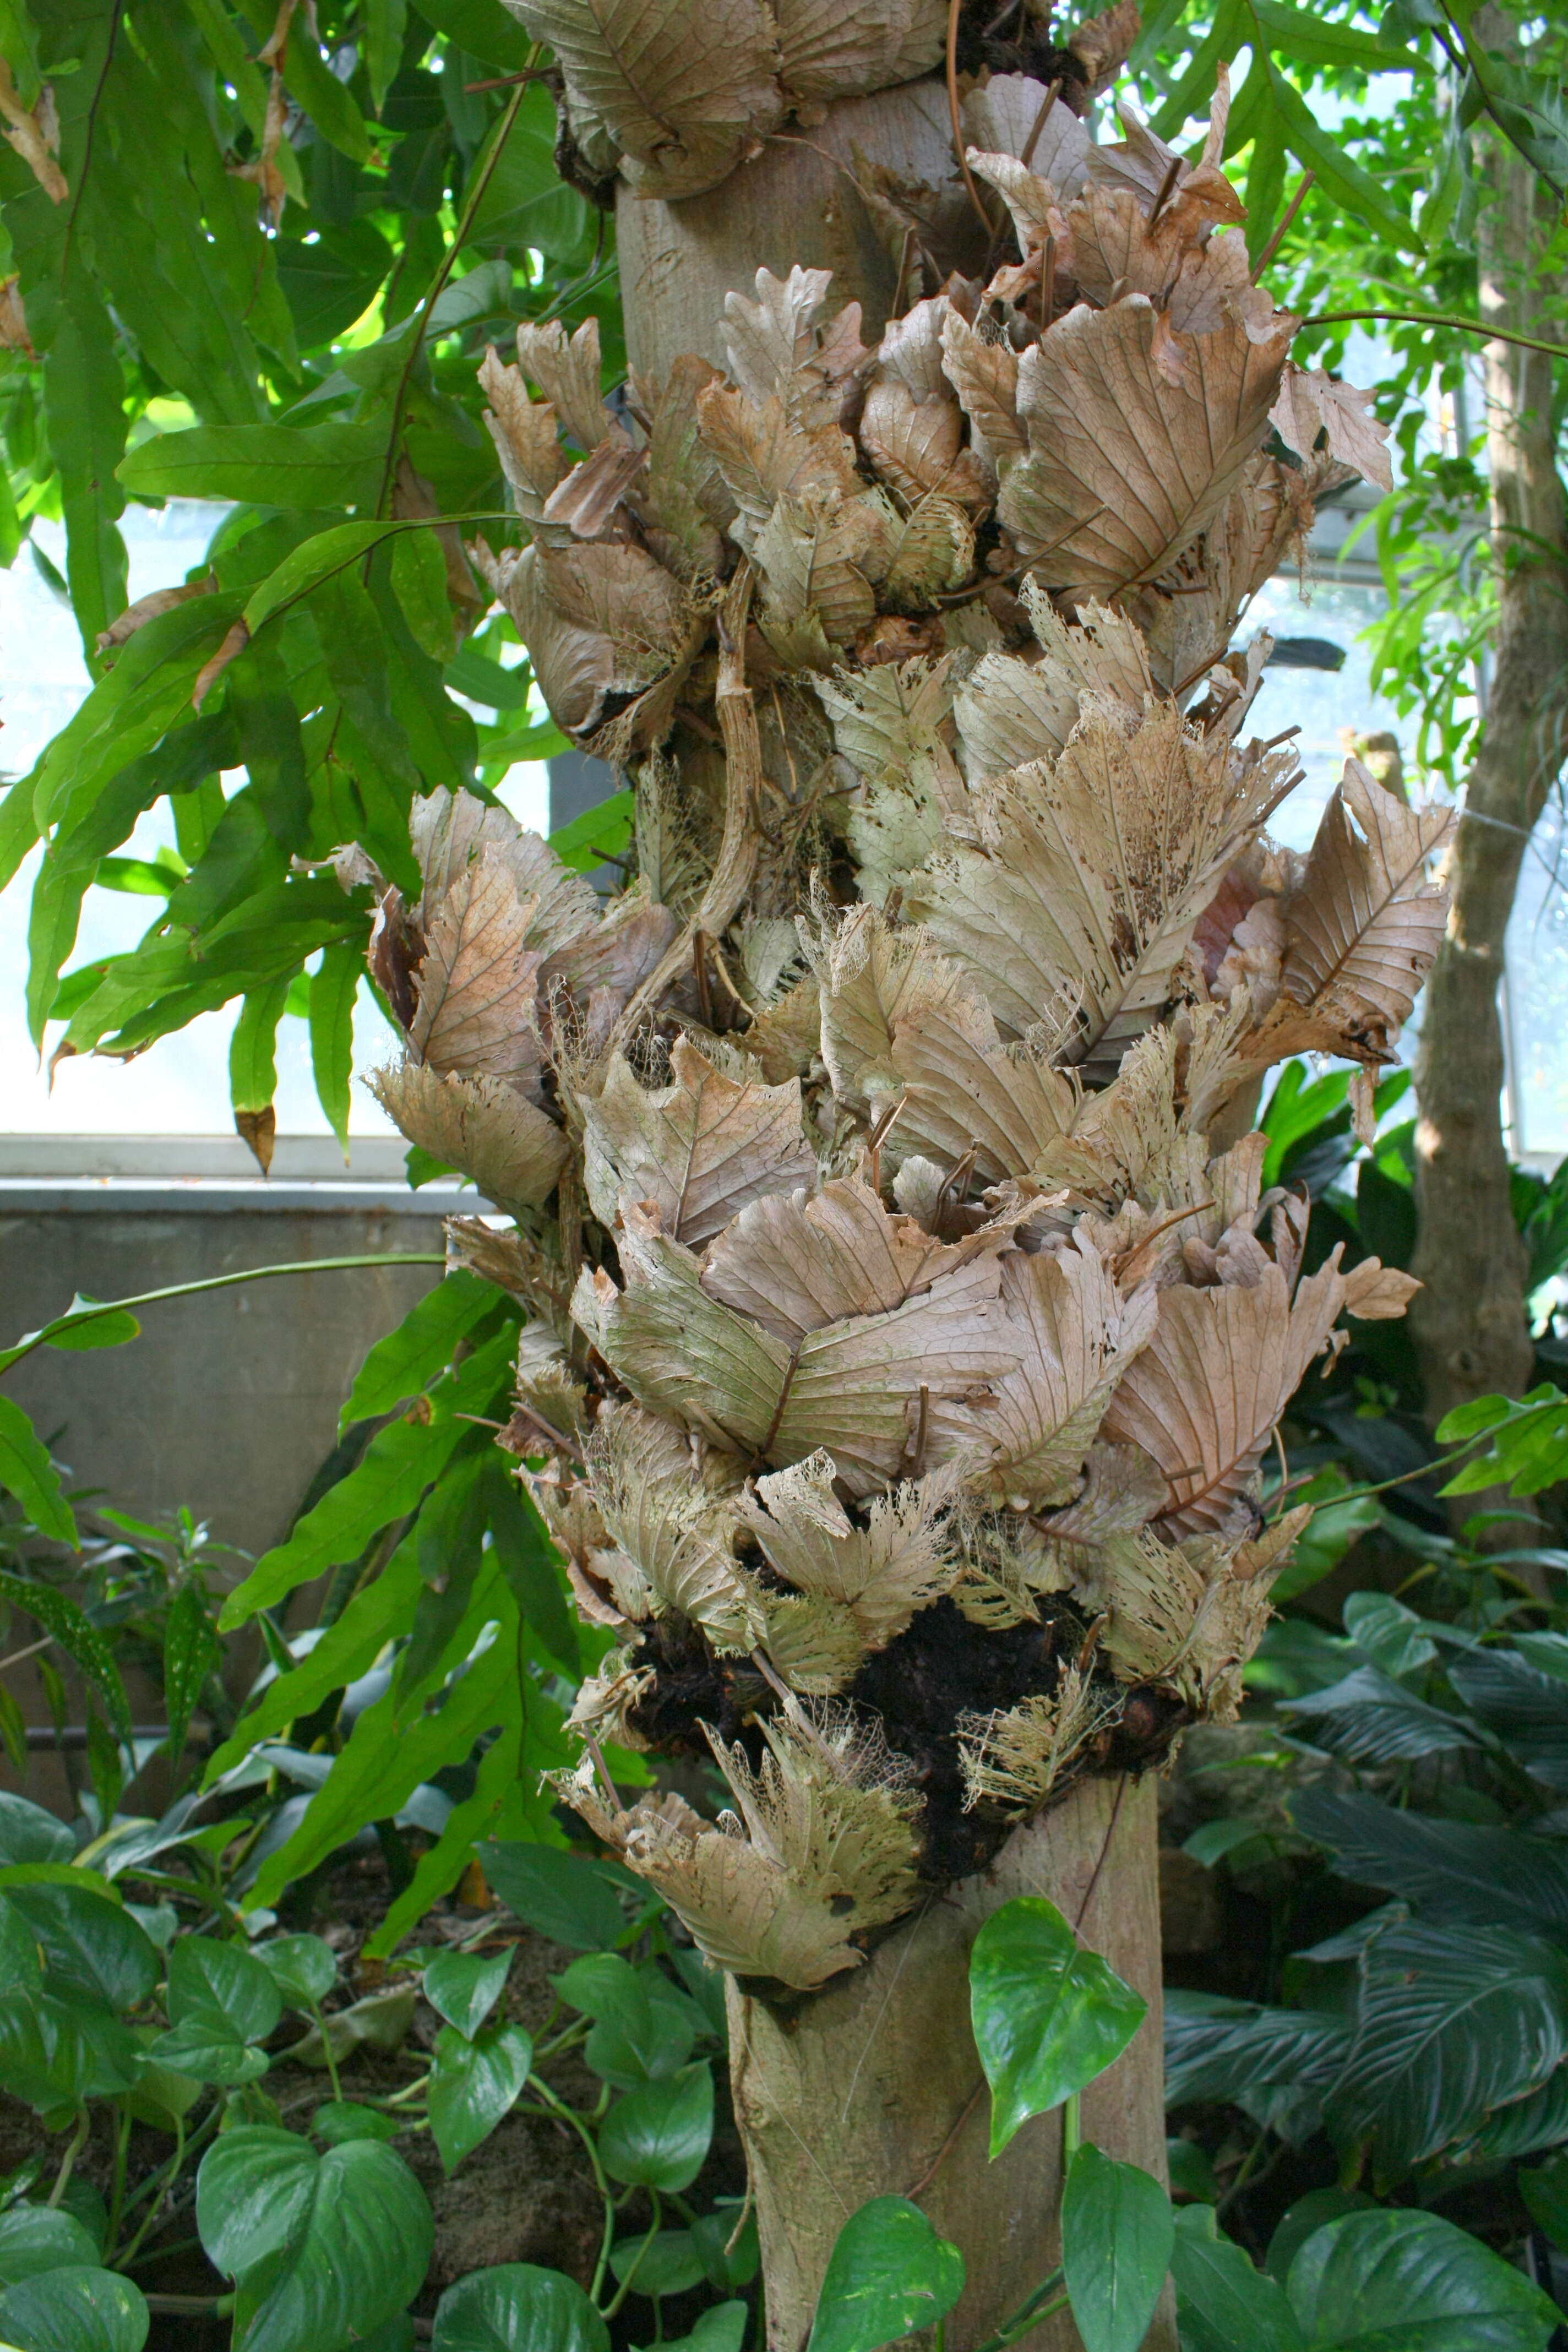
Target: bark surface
[[1467, 1323], [873, 2088]]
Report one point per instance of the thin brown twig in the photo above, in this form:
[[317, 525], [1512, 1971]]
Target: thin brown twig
[[986, 222], [1032, 141], [945, 2150], [1286, 217], [1167, 188]]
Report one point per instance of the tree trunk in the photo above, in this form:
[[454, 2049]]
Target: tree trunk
[[874, 2088], [1467, 1323], [795, 203]]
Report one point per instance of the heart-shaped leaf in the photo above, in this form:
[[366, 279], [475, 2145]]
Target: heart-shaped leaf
[[1374, 2280], [888, 2273], [222, 2003], [464, 1987], [321, 2247], [657, 2136], [517, 2308], [38, 2238], [473, 2084], [303, 1968], [80, 2309], [1049, 2016], [559, 1894]]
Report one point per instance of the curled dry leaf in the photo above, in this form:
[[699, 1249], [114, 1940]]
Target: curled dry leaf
[[480, 1125]]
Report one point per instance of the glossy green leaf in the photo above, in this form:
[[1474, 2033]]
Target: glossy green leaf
[[474, 2081], [888, 2275], [643, 2028], [1374, 2281], [1368, 1719], [303, 1968], [26, 1472], [516, 2307], [559, 1894], [384, 26], [321, 2247], [657, 2136], [28, 1834], [1049, 2015], [464, 1987], [337, 2120], [1117, 2234], [77, 2310], [720, 2329], [37, 2238], [221, 2002], [400, 1365], [90, 1944], [1545, 2190], [253, 1049]]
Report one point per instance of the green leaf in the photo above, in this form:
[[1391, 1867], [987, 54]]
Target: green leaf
[[253, 1050], [331, 282], [1391, 1635], [191, 1653], [887, 2275], [419, 584], [262, 465], [1224, 2304], [96, 1328], [221, 2002], [1049, 2016], [559, 1895], [721, 2328], [1544, 2191], [644, 2029], [334, 987], [1117, 2234], [1335, 1525], [1368, 1719], [28, 1834], [1524, 1707], [322, 2248], [1239, 2050], [384, 26], [517, 2308], [488, 682], [665, 2264], [657, 2136], [1342, 178], [1308, 2215], [464, 1987], [528, 1558], [303, 1968], [1378, 2280], [599, 833], [409, 1358], [1455, 1870], [37, 2238], [473, 2084], [77, 2310], [26, 1472], [483, 27], [1452, 2022], [80, 1640], [397, 1465], [306, 566], [337, 2120]]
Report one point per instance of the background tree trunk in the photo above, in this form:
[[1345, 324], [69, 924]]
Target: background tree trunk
[[1468, 1324], [874, 2087]]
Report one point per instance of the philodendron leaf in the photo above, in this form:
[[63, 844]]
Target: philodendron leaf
[[222, 2003], [1374, 2281], [518, 2308], [1117, 2234], [1049, 2016], [303, 1968], [1545, 2190], [322, 2248], [473, 2082], [79, 2309], [658, 2135], [464, 1987], [90, 1944], [888, 2273], [38, 2238]]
